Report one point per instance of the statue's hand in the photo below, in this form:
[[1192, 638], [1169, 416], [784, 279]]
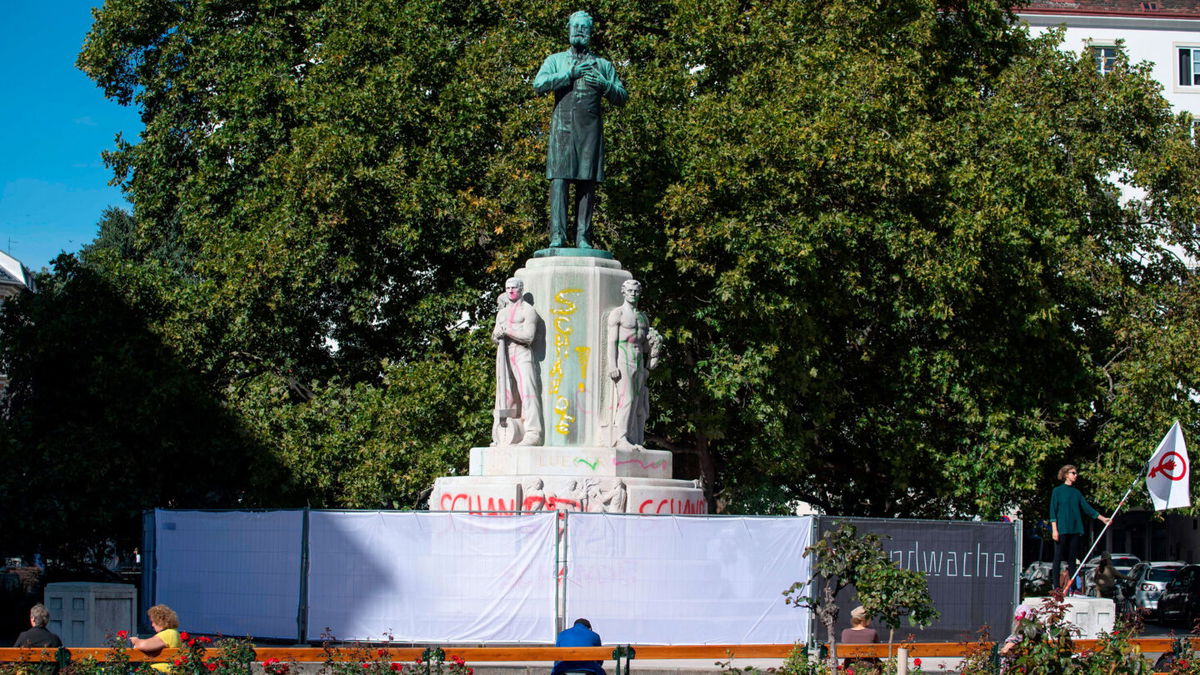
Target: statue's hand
[[580, 70], [614, 374], [594, 78]]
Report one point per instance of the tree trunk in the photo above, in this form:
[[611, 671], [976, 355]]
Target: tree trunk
[[828, 613]]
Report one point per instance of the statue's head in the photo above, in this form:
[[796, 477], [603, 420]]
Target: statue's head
[[631, 290], [515, 288], [579, 29]]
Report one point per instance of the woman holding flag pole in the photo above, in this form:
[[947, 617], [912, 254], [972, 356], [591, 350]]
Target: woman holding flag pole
[[1066, 523], [1167, 479]]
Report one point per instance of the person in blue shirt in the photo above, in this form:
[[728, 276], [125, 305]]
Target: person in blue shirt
[[1067, 507], [579, 635]]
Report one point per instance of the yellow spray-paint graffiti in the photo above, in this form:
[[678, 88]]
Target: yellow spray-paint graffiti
[[583, 353], [562, 348]]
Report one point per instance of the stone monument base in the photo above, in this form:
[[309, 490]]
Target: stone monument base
[[496, 495], [589, 331], [576, 462]]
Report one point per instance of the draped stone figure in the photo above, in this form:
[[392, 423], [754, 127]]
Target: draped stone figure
[[518, 414]]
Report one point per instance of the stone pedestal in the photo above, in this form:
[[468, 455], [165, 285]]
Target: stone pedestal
[[573, 296], [576, 468], [498, 495], [594, 462]]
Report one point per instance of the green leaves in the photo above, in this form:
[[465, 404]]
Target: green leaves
[[842, 558], [907, 259]]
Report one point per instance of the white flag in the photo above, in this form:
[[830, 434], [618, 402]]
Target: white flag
[[1167, 478]]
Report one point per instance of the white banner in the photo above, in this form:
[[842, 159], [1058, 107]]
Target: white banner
[[431, 577], [234, 573], [1168, 475], [687, 580]]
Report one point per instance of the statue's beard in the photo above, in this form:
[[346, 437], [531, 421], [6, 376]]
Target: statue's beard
[[579, 42]]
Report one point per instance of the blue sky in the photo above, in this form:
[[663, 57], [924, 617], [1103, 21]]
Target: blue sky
[[55, 122]]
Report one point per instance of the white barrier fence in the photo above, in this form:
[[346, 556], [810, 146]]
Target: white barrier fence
[[456, 577], [431, 577], [688, 580]]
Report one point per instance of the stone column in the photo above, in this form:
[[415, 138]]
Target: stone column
[[573, 295]]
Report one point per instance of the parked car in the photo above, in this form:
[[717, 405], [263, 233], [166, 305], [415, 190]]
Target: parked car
[[1122, 562], [1180, 600], [1150, 578]]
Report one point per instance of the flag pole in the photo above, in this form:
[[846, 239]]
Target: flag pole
[[1079, 567]]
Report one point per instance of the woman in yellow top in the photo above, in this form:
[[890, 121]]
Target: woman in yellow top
[[166, 634]]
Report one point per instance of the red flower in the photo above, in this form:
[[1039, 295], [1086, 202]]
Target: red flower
[[205, 640], [366, 665], [270, 661], [382, 652], [178, 662], [397, 667], [122, 634], [211, 667], [917, 662], [184, 636]]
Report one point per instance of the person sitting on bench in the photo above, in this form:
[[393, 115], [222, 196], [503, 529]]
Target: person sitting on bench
[[579, 635]]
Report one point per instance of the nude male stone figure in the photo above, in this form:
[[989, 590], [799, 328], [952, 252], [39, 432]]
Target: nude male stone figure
[[628, 357]]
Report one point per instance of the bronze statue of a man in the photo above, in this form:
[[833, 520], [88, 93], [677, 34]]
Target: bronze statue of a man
[[579, 79]]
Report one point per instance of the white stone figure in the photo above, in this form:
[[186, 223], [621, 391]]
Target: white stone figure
[[574, 498], [628, 350], [502, 431], [518, 396], [533, 495], [591, 495], [613, 500]]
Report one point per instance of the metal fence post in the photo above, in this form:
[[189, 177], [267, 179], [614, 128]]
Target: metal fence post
[[302, 601], [146, 591], [561, 523]]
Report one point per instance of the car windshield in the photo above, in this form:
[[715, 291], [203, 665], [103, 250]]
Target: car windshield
[[1161, 573]]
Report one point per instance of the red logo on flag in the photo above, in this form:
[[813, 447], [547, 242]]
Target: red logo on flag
[[1171, 465]]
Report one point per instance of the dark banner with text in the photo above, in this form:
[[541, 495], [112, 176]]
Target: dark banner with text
[[971, 567]]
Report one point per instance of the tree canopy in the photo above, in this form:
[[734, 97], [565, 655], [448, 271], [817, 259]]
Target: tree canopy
[[906, 258]]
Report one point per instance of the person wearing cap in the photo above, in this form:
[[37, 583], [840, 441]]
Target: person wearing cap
[[1067, 507], [859, 632]]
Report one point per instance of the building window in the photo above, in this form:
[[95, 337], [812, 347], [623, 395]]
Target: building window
[[1189, 66], [1105, 57]]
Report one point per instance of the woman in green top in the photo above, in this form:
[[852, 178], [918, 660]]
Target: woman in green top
[[166, 634], [1067, 506]]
